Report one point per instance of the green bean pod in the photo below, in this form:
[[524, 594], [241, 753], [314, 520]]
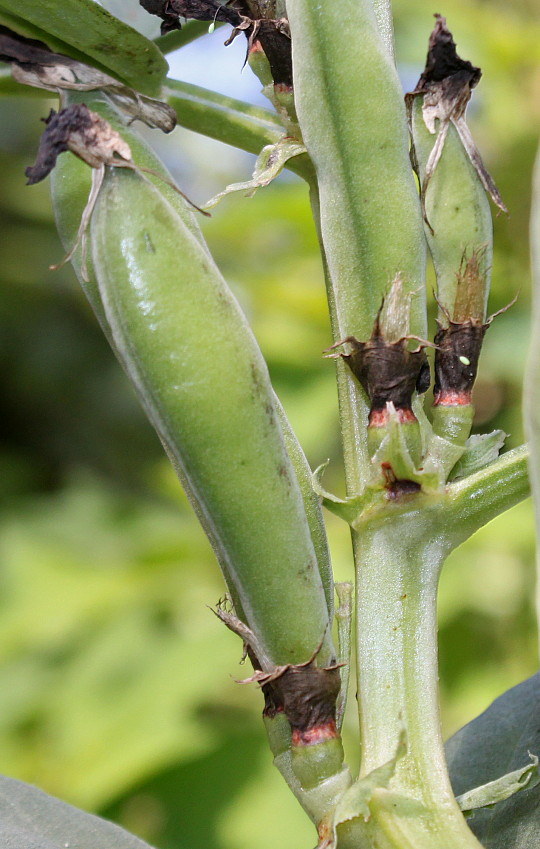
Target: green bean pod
[[458, 214], [454, 183], [185, 344], [251, 514], [459, 232], [70, 185], [312, 506], [350, 107]]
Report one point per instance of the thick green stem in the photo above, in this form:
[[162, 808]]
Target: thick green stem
[[398, 560], [396, 640]]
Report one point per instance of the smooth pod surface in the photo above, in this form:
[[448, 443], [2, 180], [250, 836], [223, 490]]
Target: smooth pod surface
[[186, 346], [351, 113], [70, 185]]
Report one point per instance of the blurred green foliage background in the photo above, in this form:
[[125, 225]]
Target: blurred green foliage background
[[116, 688]]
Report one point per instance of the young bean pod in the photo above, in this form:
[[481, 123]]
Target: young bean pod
[[227, 438], [458, 226], [457, 211], [349, 103], [70, 185], [183, 341], [186, 347]]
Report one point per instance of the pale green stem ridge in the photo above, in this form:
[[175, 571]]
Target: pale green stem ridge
[[353, 405]]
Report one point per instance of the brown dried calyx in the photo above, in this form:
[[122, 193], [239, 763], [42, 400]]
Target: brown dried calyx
[[85, 134], [274, 34], [387, 370], [446, 86], [309, 695], [305, 693], [456, 361], [458, 344], [461, 333]]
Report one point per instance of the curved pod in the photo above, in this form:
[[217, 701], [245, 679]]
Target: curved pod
[[186, 346]]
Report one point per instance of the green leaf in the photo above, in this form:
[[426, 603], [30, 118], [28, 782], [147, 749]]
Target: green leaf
[[85, 31], [499, 743], [29, 819], [480, 450]]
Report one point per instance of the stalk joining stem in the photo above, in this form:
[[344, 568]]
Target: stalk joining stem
[[398, 560]]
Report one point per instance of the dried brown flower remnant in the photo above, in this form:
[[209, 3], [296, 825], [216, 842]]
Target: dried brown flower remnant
[[305, 693], [456, 361], [446, 86], [92, 139], [458, 346], [309, 697], [461, 333], [388, 372], [443, 62], [170, 11], [85, 134], [273, 33]]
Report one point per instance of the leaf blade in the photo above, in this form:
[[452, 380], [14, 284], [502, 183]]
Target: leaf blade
[[495, 743], [87, 32], [30, 819]]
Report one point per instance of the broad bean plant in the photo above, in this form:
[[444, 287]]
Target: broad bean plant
[[391, 179]]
